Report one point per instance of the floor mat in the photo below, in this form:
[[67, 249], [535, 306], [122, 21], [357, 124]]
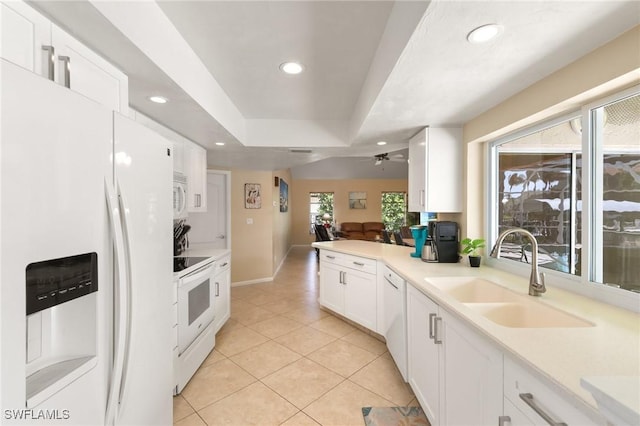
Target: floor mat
[[394, 416]]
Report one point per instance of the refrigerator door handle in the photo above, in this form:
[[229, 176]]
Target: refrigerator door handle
[[119, 344], [128, 290]]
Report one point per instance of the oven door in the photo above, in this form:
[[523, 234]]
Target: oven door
[[196, 301]]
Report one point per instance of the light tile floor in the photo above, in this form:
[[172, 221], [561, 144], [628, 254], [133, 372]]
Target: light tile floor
[[281, 360]]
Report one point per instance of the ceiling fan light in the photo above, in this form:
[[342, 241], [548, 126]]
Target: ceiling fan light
[[378, 161]]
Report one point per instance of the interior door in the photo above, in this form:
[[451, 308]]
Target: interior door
[[211, 227]]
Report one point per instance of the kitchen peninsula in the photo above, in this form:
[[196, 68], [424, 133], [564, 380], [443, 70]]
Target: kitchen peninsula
[[603, 341]]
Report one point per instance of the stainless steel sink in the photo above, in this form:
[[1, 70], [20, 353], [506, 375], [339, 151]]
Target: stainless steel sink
[[503, 306]]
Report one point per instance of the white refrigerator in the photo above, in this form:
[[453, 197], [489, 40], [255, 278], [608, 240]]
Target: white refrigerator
[[85, 261]]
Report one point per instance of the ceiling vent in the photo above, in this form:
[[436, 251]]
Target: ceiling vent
[[300, 151]]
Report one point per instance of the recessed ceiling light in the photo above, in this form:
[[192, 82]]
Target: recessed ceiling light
[[291, 67], [220, 143], [381, 143], [484, 33], [158, 99]]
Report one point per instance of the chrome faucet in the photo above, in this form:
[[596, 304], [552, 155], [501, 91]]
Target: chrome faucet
[[536, 280]]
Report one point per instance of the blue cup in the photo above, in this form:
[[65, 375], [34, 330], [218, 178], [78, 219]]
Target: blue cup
[[419, 233]]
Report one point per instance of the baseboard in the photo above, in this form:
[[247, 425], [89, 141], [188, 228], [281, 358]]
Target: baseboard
[[249, 282]]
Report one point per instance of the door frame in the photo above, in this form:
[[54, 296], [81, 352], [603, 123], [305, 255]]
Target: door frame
[[227, 174]]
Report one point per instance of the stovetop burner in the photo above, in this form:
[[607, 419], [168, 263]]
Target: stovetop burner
[[182, 263]]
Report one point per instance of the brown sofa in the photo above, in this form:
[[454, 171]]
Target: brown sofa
[[361, 230]]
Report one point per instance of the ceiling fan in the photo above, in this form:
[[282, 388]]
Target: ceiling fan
[[385, 157]]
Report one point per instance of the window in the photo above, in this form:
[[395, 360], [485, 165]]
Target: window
[[394, 210], [578, 194], [320, 204]]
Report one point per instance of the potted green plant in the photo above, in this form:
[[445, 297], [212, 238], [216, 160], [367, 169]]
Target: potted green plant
[[471, 248]]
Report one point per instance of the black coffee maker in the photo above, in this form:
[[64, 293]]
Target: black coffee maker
[[445, 241]]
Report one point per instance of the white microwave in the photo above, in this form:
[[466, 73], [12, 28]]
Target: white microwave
[[179, 196]]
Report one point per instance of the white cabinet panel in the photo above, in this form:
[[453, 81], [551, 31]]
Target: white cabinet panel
[[455, 374], [417, 173], [24, 32], [89, 74], [360, 297], [435, 170], [472, 371], [222, 286], [349, 291], [195, 158], [423, 355], [331, 287], [70, 63], [519, 383]]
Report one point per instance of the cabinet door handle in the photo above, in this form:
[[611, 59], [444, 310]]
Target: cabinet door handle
[[344, 277], [217, 289], [50, 62], [358, 263], [504, 421], [66, 70], [422, 197], [431, 333], [436, 339], [531, 402]]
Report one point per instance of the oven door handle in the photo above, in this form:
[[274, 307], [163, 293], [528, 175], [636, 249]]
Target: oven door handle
[[192, 279]]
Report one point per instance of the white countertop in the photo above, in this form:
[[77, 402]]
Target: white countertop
[[563, 355]]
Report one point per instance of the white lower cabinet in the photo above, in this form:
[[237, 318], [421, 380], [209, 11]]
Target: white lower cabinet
[[530, 401], [455, 374], [348, 286], [222, 287]]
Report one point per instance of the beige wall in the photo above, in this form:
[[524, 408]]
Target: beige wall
[[258, 249], [608, 69], [251, 245], [299, 201], [281, 221]]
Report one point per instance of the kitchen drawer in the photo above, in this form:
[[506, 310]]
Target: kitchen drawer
[[359, 263], [349, 261], [222, 265], [518, 381]]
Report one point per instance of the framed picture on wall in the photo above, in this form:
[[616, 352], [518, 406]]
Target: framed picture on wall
[[357, 200], [284, 196], [252, 196]]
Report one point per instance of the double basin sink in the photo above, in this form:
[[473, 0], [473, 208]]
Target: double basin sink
[[503, 306]]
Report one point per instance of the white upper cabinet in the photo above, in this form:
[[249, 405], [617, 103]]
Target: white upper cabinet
[[33, 42], [195, 165], [435, 170], [85, 72], [24, 34]]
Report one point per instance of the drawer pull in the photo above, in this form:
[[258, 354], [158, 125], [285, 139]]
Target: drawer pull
[[436, 339], [330, 257], [531, 402], [358, 263], [431, 333]]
